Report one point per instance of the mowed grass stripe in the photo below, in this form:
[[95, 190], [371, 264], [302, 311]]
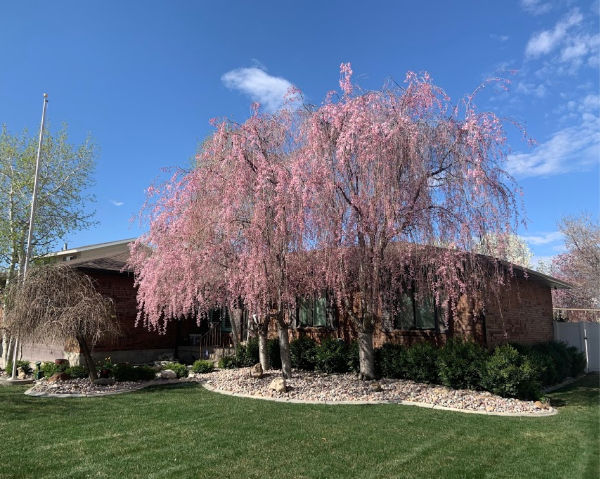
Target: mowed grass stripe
[[185, 431]]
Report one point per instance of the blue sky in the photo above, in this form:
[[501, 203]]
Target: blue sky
[[144, 78]]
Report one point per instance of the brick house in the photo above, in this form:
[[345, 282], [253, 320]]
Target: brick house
[[522, 314]]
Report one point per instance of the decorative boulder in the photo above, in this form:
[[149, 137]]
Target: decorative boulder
[[21, 373], [104, 381], [278, 385], [256, 371], [59, 377], [168, 374]]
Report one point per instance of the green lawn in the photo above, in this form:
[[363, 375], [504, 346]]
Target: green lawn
[[186, 431]]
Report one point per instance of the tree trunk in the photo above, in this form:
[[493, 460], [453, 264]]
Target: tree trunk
[[235, 318], [87, 356], [284, 349], [366, 354], [263, 355]]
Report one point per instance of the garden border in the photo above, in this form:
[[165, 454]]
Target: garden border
[[542, 413], [153, 382]]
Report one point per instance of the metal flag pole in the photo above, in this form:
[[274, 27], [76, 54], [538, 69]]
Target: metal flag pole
[[31, 219]]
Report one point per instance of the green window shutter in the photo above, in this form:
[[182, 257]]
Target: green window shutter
[[305, 312], [320, 315]]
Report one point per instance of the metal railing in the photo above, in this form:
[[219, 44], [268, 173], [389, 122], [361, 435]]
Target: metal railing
[[214, 340]]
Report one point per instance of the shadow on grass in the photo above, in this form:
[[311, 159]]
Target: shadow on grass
[[583, 393]]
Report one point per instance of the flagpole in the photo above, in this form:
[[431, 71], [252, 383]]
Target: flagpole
[[31, 220]]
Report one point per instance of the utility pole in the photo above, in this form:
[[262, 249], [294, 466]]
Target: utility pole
[[31, 221]]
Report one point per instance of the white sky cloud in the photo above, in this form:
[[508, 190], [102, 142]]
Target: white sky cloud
[[548, 40], [500, 38], [268, 90], [543, 238], [573, 148], [535, 7], [117, 203]]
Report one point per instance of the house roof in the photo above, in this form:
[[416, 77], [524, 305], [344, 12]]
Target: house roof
[[115, 256], [91, 247]]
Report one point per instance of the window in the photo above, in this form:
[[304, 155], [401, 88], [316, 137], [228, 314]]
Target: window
[[220, 315], [312, 312], [415, 313]]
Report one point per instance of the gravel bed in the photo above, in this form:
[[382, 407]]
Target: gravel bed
[[309, 386], [83, 387]]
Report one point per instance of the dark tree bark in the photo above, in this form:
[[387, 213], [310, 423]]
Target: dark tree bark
[[87, 356]]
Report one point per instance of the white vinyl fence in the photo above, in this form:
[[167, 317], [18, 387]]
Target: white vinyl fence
[[585, 337]]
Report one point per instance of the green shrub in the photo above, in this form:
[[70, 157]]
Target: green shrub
[[352, 357], [460, 364], [48, 369], [203, 366], [124, 372], [228, 362], [273, 353], [303, 353], [421, 363], [145, 373], [128, 372], [510, 374], [250, 353], [245, 355], [561, 358], [20, 364], [391, 361], [332, 356], [179, 369], [77, 372], [577, 361]]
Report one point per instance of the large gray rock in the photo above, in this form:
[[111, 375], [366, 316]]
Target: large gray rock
[[256, 371], [278, 385], [168, 374]]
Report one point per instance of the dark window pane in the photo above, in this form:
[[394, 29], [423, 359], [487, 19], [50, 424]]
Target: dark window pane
[[320, 315], [425, 314], [404, 315]]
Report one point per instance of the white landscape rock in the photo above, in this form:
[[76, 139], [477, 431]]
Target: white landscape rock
[[314, 386], [168, 374], [278, 385]]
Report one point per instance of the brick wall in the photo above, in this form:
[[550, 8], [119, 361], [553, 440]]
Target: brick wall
[[522, 314]]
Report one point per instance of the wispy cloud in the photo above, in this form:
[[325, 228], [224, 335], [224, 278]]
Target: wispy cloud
[[535, 7], [117, 203], [547, 40], [270, 91], [543, 238], [573, 148], [500, 38]]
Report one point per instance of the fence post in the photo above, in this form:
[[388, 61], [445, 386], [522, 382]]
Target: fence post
[[583, 330]]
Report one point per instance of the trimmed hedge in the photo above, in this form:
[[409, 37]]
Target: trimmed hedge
[[461, 364], [510, 374], [332, 356], [510, 370], [127, 372], [303, 353], [421, 363]]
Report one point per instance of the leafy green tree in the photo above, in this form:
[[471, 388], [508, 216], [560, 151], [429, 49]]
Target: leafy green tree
[[64, 197]]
